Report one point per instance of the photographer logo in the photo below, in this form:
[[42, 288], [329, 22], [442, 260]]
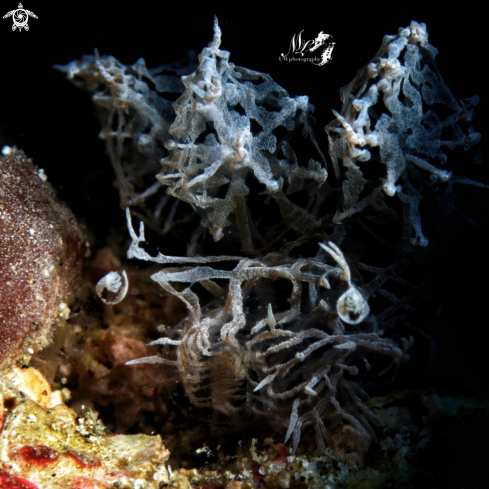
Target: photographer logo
[[20, 16]]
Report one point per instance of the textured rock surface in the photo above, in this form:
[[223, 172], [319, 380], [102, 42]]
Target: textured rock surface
[[41, 259], [46, 445]]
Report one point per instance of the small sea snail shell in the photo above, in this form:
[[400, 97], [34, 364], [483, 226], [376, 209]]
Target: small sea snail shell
[[352, 307]]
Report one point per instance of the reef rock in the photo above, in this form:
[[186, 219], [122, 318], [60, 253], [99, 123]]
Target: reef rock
[[41, 260]]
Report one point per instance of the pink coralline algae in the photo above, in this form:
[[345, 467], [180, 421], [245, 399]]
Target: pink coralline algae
[[8, 481], [83, 459], [42, 254], [40, 455]]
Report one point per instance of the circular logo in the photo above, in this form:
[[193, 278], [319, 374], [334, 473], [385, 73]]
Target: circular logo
[[20, 18]]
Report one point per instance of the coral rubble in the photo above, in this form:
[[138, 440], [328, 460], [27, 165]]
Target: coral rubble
[[44, 444]]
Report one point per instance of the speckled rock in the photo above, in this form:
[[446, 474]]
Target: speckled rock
[[41, 259], [44, 444]]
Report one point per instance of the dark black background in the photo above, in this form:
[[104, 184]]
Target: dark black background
[[54, 123]]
